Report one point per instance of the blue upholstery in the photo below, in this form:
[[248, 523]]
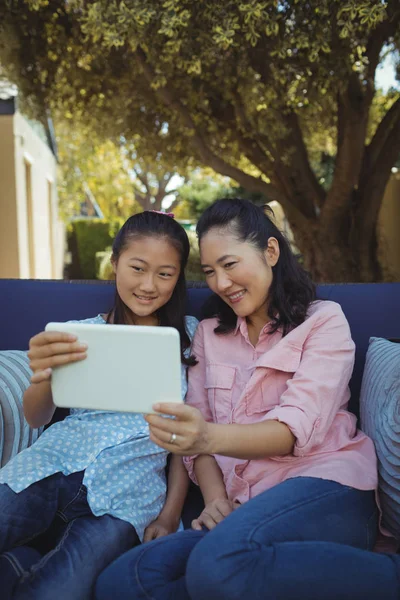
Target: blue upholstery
[[27, 305]]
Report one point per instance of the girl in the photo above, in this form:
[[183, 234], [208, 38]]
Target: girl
[[267, 436], [95, 481]]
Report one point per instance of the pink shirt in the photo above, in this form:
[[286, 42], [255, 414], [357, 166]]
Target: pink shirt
[[300, 380]]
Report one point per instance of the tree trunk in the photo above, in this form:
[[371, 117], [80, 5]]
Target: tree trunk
[[329, 255]]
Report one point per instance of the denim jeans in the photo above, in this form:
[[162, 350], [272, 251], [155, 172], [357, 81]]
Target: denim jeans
[[293, 542], [55, 511]]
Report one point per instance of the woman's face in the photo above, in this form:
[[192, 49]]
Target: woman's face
[[146, 274], [238, 271]]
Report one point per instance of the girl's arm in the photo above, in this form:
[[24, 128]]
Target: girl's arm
[[38, 404], [168, 520], [48, 349]]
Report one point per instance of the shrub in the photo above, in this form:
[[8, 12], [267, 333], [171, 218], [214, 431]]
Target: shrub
[[87, 237]]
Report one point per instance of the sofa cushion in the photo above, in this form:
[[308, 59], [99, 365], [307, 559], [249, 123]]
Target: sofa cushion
[[15, 433], [380, 419]]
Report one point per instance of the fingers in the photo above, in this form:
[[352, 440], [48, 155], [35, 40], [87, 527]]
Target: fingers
[[51, 349], [150, 534], [154, 532], [49, 337], [167, 446], [205, 520], [210, 517], [56, 361], [181, 411], [196, 525], [164, 435], [40, 376]]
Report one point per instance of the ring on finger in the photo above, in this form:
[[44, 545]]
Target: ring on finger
[[173, 438]]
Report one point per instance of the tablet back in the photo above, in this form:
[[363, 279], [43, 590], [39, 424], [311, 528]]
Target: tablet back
[[128, 368]]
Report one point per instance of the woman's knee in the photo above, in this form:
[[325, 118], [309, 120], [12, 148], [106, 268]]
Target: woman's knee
[[218, 570], [148, 570], [119, 579]]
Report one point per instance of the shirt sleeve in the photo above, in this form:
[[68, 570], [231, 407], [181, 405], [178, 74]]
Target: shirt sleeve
[[319, 388], [197, 394]]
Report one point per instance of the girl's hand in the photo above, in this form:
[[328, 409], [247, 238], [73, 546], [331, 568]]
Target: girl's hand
[[160, 528], [188, 433], [50, 349], [214, 512]]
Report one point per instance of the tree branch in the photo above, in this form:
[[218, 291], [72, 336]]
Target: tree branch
[[382, 133], [253, 184]]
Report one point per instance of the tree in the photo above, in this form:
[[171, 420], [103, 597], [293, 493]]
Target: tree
[[201, 189], [121, 182], [95, 167], [240, 86], [152, 180]]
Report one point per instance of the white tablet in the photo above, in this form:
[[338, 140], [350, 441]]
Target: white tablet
[[128, 368]]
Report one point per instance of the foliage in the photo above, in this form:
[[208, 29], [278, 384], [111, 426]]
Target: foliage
[[201, 189], [243, 86], [88, 164], [89, 236], [193, 271]]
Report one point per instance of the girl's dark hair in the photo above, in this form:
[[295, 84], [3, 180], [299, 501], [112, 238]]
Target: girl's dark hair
[[291, 291], [157, 225]]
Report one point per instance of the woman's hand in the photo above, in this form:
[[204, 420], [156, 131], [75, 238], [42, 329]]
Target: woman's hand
[[214, 512], [50, 349], [161, 527], [188, 433]]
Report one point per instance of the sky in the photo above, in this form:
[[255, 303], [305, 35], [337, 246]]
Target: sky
[[385, 74]]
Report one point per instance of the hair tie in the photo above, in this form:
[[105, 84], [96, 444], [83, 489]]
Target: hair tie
[[160, 212]]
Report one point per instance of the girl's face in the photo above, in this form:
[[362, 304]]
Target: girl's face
[[238, 272], [146, 274]]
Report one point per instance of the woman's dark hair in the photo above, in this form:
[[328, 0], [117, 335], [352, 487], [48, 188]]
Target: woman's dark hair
[[291, 291], [157, 225]]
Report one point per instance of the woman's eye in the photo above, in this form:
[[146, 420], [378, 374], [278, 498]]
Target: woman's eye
[[207, 273], [165, 274], [228, 265], [137, 269]]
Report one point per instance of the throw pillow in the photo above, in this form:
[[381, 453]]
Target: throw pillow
[[380, 419], [15, 433]]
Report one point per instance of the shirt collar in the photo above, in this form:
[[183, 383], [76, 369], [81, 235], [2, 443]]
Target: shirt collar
[[241, 325]]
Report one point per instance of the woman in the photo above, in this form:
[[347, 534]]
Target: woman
[[267, 436]]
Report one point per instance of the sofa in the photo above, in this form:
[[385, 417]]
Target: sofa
[[27, 305]]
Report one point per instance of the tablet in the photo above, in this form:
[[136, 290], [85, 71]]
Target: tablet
[[128, 368]]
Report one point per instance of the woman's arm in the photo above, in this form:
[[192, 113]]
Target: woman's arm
[[307, 408], [196, 436]]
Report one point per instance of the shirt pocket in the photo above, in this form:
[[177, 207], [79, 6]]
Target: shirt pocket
[[277, 372], [219, 384]]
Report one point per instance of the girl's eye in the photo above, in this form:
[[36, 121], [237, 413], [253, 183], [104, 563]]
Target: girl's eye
[[166, 274], [137, 269], [207, 273]]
